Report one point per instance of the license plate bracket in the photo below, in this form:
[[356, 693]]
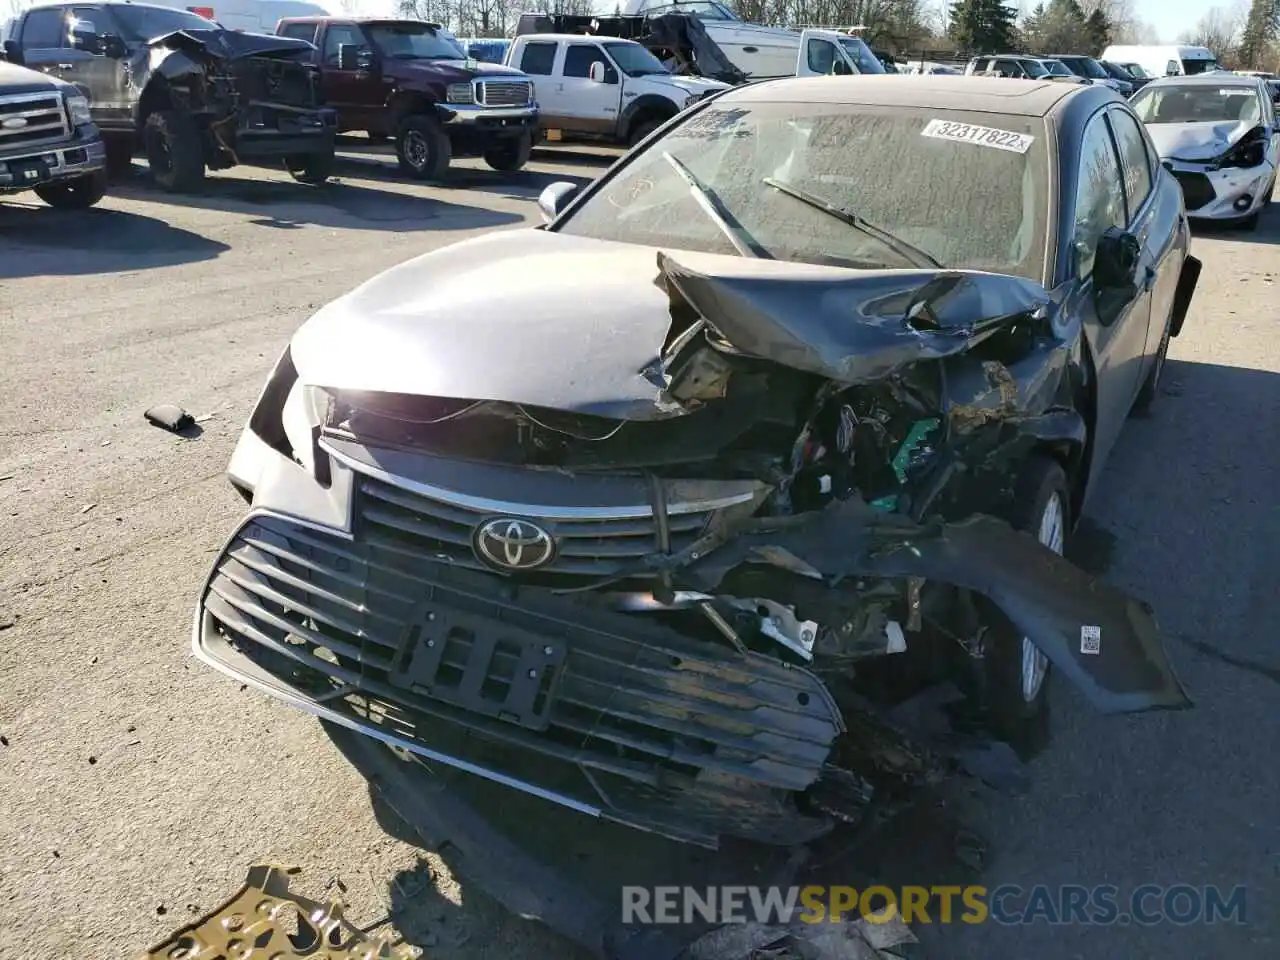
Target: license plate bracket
[[481, 664], [29, 171]]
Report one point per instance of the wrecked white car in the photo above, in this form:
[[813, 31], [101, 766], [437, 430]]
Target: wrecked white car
[[621, 511], [1217, 133]]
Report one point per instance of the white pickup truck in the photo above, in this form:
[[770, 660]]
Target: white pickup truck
[[605, 88]]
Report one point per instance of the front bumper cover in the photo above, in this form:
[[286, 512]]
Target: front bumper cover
[[52, 164], [1212, 193]]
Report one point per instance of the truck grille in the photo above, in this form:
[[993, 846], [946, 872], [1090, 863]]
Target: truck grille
[[32, 118], [1197, 190], [431, 529], [504, 93], [647, 722]]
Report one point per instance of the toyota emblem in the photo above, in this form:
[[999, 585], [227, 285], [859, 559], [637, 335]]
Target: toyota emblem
[[507, 543]]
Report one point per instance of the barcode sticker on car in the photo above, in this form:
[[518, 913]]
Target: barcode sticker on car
[[982, 136], [1090, 639]]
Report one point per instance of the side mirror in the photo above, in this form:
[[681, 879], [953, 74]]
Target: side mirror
[[555, 197], [13, 52], [595, 72], [113, 47], [1115, 264], [841, 69]]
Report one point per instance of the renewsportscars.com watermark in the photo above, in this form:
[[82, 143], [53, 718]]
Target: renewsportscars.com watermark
[[1147, 905]]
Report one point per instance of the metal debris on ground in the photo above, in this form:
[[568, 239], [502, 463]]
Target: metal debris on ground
[[862, 939], [264, 919]]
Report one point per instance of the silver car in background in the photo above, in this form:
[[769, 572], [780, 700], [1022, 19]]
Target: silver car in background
[[1217, 133]]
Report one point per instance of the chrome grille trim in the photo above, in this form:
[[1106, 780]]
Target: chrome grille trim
[[504, 93], [46, 117]]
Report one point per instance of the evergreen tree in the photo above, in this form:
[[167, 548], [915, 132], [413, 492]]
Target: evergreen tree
[[1262, 26], [1098, 31], [1033, 29], [983, 26]]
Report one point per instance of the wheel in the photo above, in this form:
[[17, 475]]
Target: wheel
[[78, 194], [422, 147], [510, 153], [119, 155], [310, 167], [1016, 673], [1151, 386], [642, 130], [175, 151]]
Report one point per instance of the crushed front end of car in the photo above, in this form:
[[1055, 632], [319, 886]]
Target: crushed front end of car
[[627, 544]]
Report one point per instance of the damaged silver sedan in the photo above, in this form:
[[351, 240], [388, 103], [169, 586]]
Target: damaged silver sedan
[[627, 511]]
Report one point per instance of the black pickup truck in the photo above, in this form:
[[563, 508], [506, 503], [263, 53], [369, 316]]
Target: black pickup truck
[[193, 95], [48, 142], [408, 80]]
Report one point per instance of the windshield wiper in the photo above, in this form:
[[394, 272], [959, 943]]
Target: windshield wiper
[[912, 254], [715, 209]]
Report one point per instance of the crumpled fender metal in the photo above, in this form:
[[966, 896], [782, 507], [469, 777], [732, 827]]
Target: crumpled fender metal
[[858, 328], [1053, 602], [231, 44]]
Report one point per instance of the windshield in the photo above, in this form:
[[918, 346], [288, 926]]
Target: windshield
[[412, 41], [1191, 67], [634, 60], [1136, 70], [1056, 68], [1091, 68], [926, 180], [702, 9], [147, 23], [861, 55], [1035, 68], [1202, 103]]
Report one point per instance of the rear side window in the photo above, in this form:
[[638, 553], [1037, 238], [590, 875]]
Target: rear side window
[[538, 58], [1135, 165], [43, 29], [300, 31]]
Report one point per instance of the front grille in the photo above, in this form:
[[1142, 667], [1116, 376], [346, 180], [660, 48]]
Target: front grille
[[428, 528], [658, 729], [504, 93], [32, 118], [1197, 190]]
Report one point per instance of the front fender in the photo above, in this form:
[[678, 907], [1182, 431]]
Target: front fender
[[647, 103]]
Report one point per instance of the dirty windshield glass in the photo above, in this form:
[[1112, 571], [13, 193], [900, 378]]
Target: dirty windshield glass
[[147, 23], [634, 60], [967, 190], [1203, 103], [411, 41]]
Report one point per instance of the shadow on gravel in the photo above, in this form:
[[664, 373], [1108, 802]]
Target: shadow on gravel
[[283, 204], [1268, 230], [524, 184], [77, 243]]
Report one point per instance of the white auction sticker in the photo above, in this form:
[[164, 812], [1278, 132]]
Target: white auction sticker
[[982, 136], [1090, 639]]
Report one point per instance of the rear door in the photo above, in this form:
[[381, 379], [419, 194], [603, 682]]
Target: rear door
[[537, 58]]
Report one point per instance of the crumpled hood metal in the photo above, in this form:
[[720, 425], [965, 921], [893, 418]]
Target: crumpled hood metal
[[1196, 141], [231, 44], [574, 322]]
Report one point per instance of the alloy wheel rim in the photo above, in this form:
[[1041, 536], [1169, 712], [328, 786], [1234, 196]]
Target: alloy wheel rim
[[1052, 533], [415, 149]]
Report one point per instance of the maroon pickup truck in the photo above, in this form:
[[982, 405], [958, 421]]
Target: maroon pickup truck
[[408, 80]]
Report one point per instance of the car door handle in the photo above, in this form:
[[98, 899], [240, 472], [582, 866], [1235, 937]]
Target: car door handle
[[64, 66]]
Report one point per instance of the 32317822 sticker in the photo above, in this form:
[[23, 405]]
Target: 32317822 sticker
[[982, 136]]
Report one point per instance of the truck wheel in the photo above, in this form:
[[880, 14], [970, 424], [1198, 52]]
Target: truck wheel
[[310, 167], [175, 151], [422, 147], [78, 194], [642, 130], [510, 153], [1017, 674]]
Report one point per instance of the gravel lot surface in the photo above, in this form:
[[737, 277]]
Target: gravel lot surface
[[136, 786]]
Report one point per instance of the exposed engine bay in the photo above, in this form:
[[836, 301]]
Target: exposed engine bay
[[659, 605]]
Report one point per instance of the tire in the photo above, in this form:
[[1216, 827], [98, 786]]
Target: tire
[[642, 130], [510, 153], [422, 147], [1017, 703], [175, 151], [1151, 386], [78, 194], [313, 168]]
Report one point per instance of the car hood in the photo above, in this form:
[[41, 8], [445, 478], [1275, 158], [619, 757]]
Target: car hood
[[232, 44], [581, 325], [447, 71], [1196, 141], [15, 79]]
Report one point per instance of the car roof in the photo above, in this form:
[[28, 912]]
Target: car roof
[[583, 37], [1028, 98]]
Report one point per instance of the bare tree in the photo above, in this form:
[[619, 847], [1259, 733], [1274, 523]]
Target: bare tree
[[1219, 29]]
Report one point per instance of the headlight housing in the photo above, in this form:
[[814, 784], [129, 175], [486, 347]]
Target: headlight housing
[[460, 93], [78, 110], [1249, 152]]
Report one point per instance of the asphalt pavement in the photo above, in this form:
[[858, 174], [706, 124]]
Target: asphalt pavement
[[136, 786]]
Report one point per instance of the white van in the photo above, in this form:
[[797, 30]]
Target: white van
[[1164, 61], [248, 16]]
